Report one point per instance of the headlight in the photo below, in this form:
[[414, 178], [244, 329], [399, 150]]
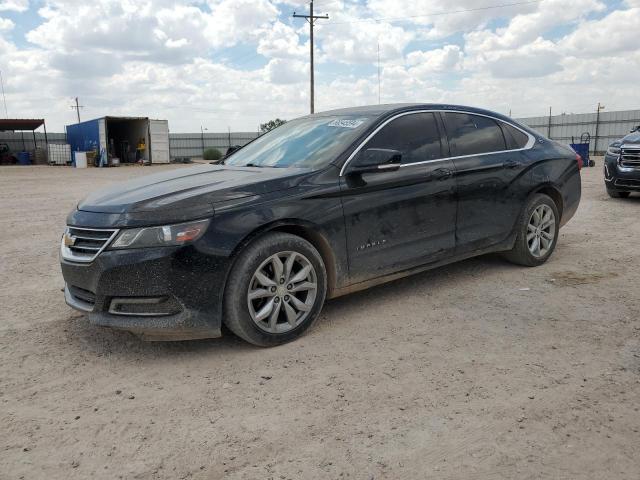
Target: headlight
[[162, 236], [613, 150]]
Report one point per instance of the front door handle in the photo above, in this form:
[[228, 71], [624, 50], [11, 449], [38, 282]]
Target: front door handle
[[511, 164], [442, 173]]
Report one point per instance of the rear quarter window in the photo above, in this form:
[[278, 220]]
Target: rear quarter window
[[515, 138], [473, 134]]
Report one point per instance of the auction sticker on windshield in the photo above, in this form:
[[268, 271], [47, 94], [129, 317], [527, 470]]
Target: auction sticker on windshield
[[344, 123]]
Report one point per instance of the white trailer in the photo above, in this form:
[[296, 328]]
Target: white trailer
[[128, 138]]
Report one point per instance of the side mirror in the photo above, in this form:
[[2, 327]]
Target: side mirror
[[377, 160], [231, 149]]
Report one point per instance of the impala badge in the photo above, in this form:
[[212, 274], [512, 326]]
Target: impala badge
[[68, 240], [371, 244]]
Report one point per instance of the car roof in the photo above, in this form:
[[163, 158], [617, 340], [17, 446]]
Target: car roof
[[392, 108]]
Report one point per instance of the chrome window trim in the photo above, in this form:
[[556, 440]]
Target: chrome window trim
[[530, 143], [68, 255]]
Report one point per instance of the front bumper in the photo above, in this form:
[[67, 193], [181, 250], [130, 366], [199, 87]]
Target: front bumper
[[167, 293], [620, 179]]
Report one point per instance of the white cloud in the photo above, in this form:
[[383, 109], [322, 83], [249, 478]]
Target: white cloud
[[6, 24], [358, 42], [281, 41], [446, 59], [154, 30], [14, 5], [234, 20], [526, 28], [441, 18], [614, 34], [170, 58], [285, 71]]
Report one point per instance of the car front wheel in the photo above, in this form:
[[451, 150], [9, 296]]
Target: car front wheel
[[537, 232], [276, 290]]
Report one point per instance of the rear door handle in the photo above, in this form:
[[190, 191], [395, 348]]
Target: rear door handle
[[442, 173], [511, 164]]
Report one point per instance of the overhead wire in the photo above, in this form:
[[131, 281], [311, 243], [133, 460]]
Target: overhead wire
[[433, 14]]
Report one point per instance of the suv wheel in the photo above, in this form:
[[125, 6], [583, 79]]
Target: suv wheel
[[275, 291], [617, 194], [537, 232]]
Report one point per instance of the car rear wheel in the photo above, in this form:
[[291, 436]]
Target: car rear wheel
[[276, 290], [617, 194], [537, 232]]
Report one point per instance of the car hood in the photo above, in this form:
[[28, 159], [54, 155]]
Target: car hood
[[631, 138], [193, 191]]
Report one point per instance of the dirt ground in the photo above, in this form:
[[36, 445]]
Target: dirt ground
[[481, 369]]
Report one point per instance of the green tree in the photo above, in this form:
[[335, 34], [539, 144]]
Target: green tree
[[212, 154], [271, 124]]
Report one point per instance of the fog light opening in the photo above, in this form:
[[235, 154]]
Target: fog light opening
[[144, 306]]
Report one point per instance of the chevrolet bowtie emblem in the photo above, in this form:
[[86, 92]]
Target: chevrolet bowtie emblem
[[69, 241]]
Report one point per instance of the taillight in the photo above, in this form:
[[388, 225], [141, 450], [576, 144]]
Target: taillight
[[579, 160]]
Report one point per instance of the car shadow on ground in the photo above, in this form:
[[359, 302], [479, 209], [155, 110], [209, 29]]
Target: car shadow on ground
[[81, 335], [432, 281]]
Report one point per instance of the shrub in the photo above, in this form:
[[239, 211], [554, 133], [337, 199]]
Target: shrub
[[212, 154]]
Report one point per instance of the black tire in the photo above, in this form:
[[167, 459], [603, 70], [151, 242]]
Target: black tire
[[520, 254], [617, 194], [236, 310]]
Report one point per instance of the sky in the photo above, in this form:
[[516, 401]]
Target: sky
[[221, 64]]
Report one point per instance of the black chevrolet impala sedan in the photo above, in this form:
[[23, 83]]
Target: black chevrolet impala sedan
[[322, 206]]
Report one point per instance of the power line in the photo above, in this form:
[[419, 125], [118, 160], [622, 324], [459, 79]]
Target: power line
[[311, 18], [434, 14], [247, 58]]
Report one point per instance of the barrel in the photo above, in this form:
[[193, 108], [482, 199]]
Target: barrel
[[24, 158]]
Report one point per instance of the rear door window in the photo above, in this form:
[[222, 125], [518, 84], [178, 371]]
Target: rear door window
[[473, 134], [416, 136], [515, 138]]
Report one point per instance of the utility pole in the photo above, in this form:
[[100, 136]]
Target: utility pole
[[202, 129], [77, 108], [549, 129], [311, 18], [595, 144], [378, 73], [6, 114]]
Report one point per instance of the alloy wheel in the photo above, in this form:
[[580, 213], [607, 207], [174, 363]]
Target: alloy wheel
[[282, 292], [541, 230]]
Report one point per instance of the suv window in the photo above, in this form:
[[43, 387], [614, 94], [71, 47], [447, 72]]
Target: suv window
[[514, 137], [415, 135], [472, 134]]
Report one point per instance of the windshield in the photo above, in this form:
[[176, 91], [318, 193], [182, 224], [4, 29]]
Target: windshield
[[309, 142]]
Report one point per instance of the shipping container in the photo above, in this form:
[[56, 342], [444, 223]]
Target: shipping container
[[129, 139]]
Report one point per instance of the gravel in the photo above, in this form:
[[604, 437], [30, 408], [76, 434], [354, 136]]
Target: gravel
[[480, 369]]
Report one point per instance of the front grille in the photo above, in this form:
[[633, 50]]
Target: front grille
[[82, 294], [630, 157], [84, 244]]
